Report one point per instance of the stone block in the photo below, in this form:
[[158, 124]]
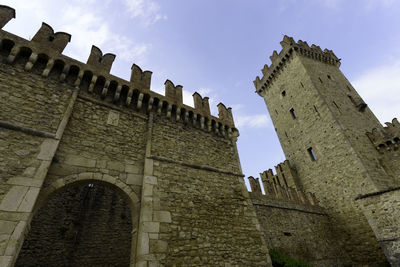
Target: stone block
[[48, 149], [7, 227], [150, 227], [131, 168], [29, 172], [13, 198], [148, 167], [115, 165], [29, 200], [80, 161], [147, 190], [109, 178], [6, 261], [3, 243], [25, 181], [162, 216], [158, 246], [42, 170], [135, 179], [150, 179], [143, 244]]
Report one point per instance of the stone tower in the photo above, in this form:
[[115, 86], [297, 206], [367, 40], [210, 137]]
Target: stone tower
[[322, 125]]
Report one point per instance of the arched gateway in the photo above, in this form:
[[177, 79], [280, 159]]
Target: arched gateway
[[83, 223]]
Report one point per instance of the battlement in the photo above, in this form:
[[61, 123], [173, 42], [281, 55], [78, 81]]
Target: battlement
[[285, 175], [279, 60], [281, 185], [6, 14], [43, 56], [275, 191], [387, 138], [201, 103]]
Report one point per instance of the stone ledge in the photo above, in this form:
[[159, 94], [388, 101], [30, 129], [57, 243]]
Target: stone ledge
[[27, 130], [392, 189], [194, 166], [289, 206]]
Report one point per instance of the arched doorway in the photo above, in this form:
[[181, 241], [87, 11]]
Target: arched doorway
[[86, 223]]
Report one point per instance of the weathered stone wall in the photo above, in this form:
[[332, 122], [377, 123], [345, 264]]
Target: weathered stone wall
[[204, 215], [301, 231], [69, 123], [338, 175], [80, 226], [382, 212]]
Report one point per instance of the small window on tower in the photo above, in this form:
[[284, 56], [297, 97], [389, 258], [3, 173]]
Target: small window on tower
[[283, 93], [294, 115], [312, 154]]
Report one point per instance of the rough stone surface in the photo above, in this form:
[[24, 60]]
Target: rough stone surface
[[80, 226], [66, 123], [313, 106]]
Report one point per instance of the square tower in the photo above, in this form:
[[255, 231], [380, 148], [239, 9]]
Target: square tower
[[322, 122]]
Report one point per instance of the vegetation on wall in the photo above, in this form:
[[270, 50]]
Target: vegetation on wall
[[281, 260]]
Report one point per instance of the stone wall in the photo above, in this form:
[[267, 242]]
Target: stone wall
[[293, 222], [301, 231], [68, 123], [80, 226]]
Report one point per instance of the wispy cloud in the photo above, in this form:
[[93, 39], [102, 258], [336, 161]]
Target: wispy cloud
[[85, 21], [148, 11], [244, 121], [380, 89], [252, 121]]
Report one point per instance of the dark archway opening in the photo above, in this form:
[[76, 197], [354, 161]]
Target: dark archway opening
[[81, 225]]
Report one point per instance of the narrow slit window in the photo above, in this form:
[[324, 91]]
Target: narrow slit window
[[329, 77], [320, 79], [351, 99], [336, 105], [301, 84], [294, 115], [312, 154]]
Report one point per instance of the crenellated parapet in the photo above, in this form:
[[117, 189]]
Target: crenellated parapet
[[387, 138], [201, 103], [284, 176], [43, 56], [139, 78], [6, 14], [47, 38], [173, 92], [279, 60], [274, 191], [281, 186], [225, 114], [100, 61]]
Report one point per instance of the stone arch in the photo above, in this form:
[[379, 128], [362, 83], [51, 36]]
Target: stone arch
[[105, 180]]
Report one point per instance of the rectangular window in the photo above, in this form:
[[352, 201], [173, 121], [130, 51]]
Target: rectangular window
[[294, 115], [311, 152]]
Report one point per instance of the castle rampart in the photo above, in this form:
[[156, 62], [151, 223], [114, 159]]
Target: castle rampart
[[293, 222], [67, 124]]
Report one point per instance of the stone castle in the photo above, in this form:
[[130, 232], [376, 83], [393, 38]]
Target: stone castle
[[99, 171]]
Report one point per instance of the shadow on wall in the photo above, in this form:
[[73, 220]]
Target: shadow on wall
[[81, 225]]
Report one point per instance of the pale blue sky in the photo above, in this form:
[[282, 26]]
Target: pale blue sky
[[218, 48]]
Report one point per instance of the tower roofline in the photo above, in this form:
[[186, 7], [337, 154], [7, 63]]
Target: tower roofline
[[289, 47]]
